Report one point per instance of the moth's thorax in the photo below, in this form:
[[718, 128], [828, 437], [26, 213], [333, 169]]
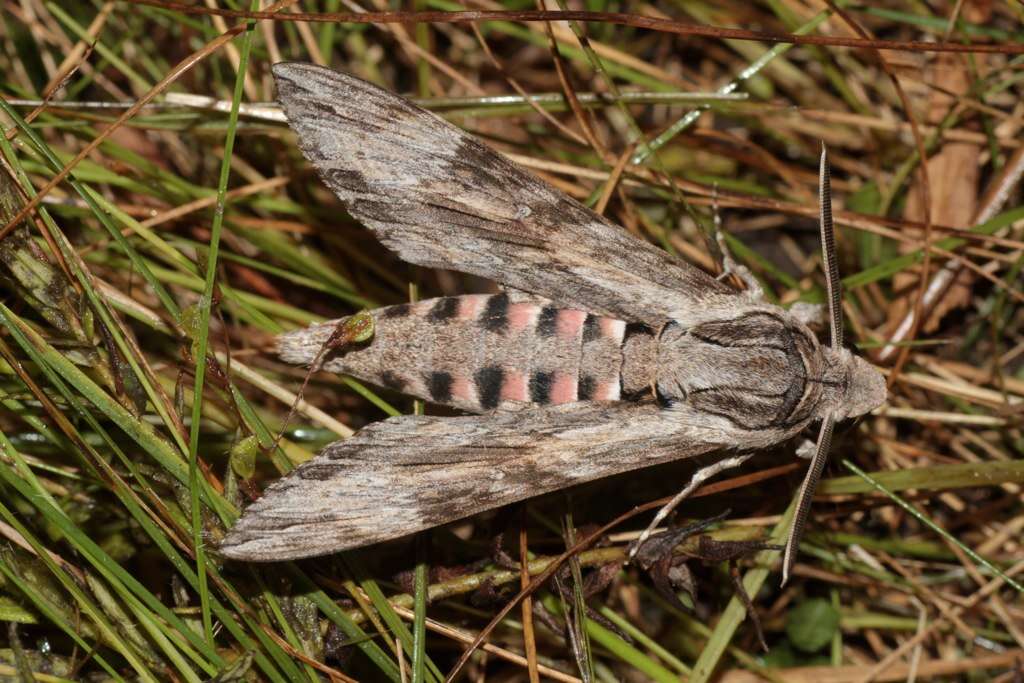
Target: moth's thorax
[[763, 370], [850, 386], [757, 370]]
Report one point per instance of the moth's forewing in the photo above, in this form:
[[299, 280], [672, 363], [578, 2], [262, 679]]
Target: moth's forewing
[[440, 198], [411, 473]]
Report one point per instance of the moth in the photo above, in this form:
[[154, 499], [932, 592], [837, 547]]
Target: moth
[[603, 354]]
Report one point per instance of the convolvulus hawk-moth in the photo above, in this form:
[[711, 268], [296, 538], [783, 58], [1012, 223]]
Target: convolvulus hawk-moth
[[604, 354]]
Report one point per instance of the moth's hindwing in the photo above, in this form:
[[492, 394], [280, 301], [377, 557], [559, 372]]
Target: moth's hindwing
[[485, 352], [410, 473], [439, 198]]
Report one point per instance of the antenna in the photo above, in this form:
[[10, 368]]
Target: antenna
[[828, 251], [835, 314]]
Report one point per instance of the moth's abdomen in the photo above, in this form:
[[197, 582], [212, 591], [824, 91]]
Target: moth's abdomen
[[477, 352]]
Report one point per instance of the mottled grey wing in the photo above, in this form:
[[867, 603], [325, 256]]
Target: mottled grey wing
[[410, 473], [440, 198]]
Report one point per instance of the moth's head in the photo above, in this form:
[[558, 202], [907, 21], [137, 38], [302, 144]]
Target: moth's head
[[851, 386]]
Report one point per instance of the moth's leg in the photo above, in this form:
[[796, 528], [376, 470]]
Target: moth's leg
[[731, 267], [806, 449], [699, 477]]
